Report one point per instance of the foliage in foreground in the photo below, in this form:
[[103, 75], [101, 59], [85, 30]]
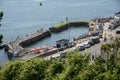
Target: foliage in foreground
[[74, 67]]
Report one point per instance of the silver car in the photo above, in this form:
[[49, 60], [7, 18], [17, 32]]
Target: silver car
[[86, 45]]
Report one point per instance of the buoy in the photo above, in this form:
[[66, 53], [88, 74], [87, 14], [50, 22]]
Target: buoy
[[41, 4]]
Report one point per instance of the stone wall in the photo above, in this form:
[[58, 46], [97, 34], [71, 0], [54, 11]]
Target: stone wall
[[35, 39], [74, 24]]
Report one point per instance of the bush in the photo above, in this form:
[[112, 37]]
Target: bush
[[74, 67]]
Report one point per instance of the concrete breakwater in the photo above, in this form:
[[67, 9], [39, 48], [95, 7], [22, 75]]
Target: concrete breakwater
[[66, 25], [17, 46]]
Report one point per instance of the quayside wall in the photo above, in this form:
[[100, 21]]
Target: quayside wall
[[33, 39], [17, 46], [63, 27]]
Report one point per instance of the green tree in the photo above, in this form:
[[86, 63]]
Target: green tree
[[74, 67], [105, 50], [116, 43], [11, 70], [75, 63], [33, 70], [53, 70]]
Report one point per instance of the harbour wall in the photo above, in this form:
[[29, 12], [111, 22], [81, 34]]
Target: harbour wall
[[66, 26], [17, 46], [33, 39]]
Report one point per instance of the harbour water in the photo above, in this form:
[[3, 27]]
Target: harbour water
[[24, 17]]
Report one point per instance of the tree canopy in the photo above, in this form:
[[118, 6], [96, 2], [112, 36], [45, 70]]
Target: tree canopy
[[74, 67]]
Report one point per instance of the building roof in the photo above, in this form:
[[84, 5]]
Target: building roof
[[62, 40]]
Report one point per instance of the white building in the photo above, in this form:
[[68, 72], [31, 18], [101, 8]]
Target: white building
[[115, 22], [117, 17]]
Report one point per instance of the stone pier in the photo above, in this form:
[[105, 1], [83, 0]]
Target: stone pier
[[17, 46]]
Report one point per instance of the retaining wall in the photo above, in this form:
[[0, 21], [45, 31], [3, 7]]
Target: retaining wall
[[63, 27], [35, 39]]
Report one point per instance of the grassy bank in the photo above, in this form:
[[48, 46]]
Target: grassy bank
[[65, 23]]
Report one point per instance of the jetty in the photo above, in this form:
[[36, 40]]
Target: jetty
[[65, 25], [16, 47]]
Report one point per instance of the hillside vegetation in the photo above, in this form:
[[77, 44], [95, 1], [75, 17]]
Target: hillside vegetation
[[74, 67]]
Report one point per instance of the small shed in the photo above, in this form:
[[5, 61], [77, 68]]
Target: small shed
[[62, 43]]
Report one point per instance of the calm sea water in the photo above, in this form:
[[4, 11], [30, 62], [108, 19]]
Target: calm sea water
[[23, 17]]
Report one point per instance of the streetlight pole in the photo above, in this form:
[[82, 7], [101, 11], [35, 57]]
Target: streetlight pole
[[68, 27]]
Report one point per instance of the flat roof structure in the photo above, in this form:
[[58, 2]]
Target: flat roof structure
[[62, 40]]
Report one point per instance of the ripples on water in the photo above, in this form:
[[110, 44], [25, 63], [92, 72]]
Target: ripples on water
[[23, 17]]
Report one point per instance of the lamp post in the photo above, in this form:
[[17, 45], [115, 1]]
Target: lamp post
[[68, 27]]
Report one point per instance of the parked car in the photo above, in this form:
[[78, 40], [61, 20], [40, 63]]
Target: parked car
[[95, 33], [91, 42], [95, 39], [63, 54], [71, 44], [86, 45], [81, 48], [118, 31]]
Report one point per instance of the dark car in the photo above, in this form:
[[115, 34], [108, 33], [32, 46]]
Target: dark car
[[81, 48], [118, 31], [95, 33], [95, 39], [91, 42]]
